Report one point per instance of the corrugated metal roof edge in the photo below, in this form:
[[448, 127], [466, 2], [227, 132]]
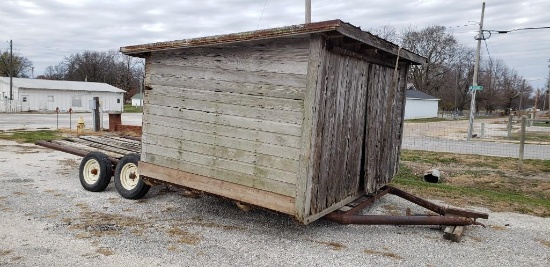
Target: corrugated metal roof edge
[[343, 28]]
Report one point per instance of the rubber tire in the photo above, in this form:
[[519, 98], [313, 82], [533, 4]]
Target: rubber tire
[[105, 168], [140, 188]]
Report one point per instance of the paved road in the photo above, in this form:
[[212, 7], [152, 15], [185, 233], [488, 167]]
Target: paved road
[[10, 121]]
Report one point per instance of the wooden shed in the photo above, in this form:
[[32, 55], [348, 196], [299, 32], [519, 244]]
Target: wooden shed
[[301, 119]]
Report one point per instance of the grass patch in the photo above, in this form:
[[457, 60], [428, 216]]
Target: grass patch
[[532, 136], [426, 120], [478, 161], [23, 136], [487, 187], [542, 124], [132, 109]]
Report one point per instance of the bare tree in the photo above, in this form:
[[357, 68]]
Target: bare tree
[[439, 48], [21, 65], [109, 67]]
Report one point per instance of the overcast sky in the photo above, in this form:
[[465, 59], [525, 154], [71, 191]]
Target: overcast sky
[[45, 31]]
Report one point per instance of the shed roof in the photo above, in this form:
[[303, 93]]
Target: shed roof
[[415, 94], [332, 26], [61, 85], [137, 96]]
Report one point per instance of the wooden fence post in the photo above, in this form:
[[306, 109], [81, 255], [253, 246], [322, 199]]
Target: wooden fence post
[[510, 126]]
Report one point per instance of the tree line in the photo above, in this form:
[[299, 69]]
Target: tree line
[[447, 74]]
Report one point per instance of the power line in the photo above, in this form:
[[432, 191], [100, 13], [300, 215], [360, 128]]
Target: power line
[[265, 4], [520, 29]]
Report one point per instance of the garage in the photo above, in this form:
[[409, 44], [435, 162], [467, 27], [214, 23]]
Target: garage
[[420, 105], [48, 95]]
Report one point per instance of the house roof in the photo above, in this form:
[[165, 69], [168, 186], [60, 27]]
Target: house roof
[[137, 96], [415, 94], [61, 85], [333, 28]]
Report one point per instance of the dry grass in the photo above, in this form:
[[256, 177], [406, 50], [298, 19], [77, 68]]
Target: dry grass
[[544, 242], [332, 245], [183, 236], [5, 252], [473, 180], [383, 253], [105, 251]]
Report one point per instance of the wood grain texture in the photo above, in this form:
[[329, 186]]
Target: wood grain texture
[[240, 178], [339, 131], [221, 152], [266, 199], [223, 119], [217, 140], [309, 128], [214, 108], [227, 131]]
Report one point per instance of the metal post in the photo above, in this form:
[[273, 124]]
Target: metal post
[[57, 112], [11, 70], [308, 11], [482, 129], [70, 119], [510, 126], [476, 70], [96, 114], [522, 142]]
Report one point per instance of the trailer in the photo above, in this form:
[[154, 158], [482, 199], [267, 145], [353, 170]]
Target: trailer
[[304, 120]]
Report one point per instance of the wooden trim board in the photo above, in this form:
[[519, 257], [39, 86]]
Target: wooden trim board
[[233, 191]]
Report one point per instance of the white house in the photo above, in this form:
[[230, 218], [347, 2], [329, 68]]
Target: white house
[[137, 100], [47, 95], [419, 105]]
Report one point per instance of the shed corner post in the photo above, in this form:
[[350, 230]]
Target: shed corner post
[[309, 127]]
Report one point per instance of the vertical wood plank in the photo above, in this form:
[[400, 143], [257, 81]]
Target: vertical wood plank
[[312, 104]]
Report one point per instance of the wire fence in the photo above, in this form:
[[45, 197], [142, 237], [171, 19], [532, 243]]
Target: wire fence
[[495, 136]]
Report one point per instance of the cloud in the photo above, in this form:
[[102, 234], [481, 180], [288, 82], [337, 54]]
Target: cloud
[[45, 31]]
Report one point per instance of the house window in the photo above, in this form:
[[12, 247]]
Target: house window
[[118, 100], [50, 98], [24, 99], [76, 101]]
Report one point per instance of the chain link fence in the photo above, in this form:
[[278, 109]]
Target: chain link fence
[[492, 136]]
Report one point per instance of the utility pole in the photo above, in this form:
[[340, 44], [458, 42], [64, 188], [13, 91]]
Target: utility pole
[[11, 70], [308, 11], [476, 70]]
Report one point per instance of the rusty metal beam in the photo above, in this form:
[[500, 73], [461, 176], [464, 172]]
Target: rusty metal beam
[[447, 216], [344, 218], [434, 207]]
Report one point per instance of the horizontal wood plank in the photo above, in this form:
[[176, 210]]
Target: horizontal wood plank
[[254, 89], [228, 109], [208, 161], [221, 141], [265, 199], [225, 153], [230, 98], [269, 185], [277, 61], [223, 119], [293, 80], [223, 130]]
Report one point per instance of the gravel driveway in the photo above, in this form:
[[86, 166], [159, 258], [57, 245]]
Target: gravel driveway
[[49, 220]]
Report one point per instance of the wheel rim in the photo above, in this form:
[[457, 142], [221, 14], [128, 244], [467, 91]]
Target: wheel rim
[[91, 171], [129, 176]]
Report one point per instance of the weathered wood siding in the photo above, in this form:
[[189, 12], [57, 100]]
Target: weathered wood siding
[[231, 112], [358, 122]]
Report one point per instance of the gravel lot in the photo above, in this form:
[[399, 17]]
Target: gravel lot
[[49, 220]]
